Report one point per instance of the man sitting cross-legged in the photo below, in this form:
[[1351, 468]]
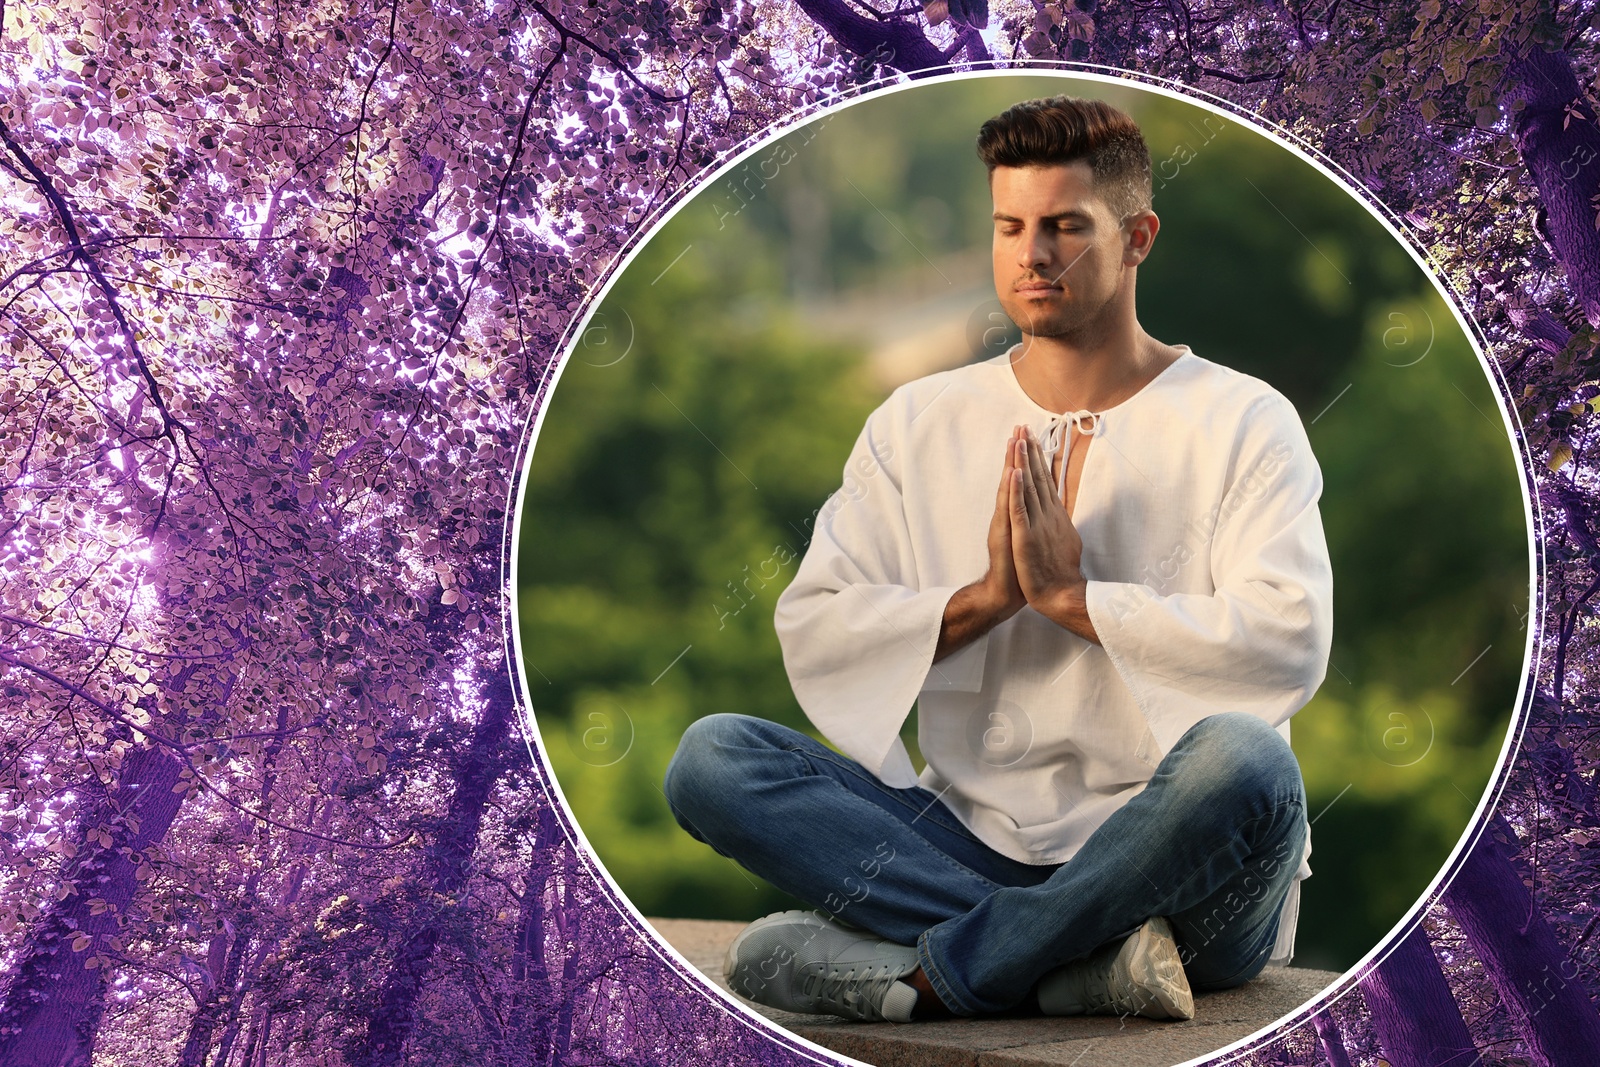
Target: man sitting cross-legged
[[1096, 565]]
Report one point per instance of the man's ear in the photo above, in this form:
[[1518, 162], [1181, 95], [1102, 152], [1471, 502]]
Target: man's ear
[[1138, 237]]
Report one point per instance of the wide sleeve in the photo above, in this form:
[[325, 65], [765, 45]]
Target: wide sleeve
[[1259, 643], [857, 633]]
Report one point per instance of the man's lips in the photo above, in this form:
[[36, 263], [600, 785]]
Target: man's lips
[[1036, 287]]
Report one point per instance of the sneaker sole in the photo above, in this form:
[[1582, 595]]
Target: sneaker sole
[[1162, 971]]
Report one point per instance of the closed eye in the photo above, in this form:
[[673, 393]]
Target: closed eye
[[1012, 231]]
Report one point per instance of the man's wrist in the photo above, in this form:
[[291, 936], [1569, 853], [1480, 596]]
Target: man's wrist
[[1068, 607], [997, 604], [972, 611]]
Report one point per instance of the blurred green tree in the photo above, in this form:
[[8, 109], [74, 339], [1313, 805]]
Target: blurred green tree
[[1428, 538], [672, 497]]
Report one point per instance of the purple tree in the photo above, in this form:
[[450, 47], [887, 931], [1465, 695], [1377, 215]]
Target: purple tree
[[1414, 1014], [1553, 1014]]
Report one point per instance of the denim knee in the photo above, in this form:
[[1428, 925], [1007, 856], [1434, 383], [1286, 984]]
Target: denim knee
[[1233, 750], [699, 774], [1209, 974]]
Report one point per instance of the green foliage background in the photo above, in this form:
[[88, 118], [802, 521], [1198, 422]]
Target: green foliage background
[[707, 412]]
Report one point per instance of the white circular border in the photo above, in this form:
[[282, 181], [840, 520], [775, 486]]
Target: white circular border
[[688, 193]]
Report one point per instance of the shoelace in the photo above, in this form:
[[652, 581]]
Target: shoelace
[[863, 995], [1056, 431]]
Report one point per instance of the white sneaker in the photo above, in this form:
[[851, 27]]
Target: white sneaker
[[1141, 976], [802, 961]]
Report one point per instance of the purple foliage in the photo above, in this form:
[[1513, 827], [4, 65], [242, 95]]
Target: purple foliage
[[281, 286]]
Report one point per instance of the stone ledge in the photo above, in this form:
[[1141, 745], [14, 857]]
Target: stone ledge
[[1025, 1040]]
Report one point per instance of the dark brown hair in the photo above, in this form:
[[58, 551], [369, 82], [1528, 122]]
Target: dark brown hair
[[1067, 129]]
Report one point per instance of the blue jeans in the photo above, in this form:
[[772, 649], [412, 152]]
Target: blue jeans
[[1212, 842]]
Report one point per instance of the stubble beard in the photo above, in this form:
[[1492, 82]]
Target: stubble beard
[[1034, 322]]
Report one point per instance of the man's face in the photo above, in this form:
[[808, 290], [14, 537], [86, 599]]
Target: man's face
[[1060, 255]]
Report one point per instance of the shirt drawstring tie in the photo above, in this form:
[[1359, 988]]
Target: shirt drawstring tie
[[1088, 423]]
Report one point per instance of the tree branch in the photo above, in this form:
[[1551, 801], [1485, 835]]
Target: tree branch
[[898, 44]]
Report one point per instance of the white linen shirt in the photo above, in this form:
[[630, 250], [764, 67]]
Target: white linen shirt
[[1209, 586]]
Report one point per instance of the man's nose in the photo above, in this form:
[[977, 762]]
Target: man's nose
[[1034, 250]]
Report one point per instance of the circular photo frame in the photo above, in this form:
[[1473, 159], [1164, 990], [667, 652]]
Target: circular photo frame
[[708, 422]]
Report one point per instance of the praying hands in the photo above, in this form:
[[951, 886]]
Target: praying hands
[[1034, 556], [1033, 544]]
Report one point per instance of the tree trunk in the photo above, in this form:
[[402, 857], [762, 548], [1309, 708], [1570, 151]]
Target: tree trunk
[[254, 1037], [562, 1043], [898, 43], [1562, 152], [229, 980], [1331, 1040], [1413, 1012], [448, 866], [220, 999], [266, 1038], [51, 1007], [527, 1032], [1549, 1008]]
